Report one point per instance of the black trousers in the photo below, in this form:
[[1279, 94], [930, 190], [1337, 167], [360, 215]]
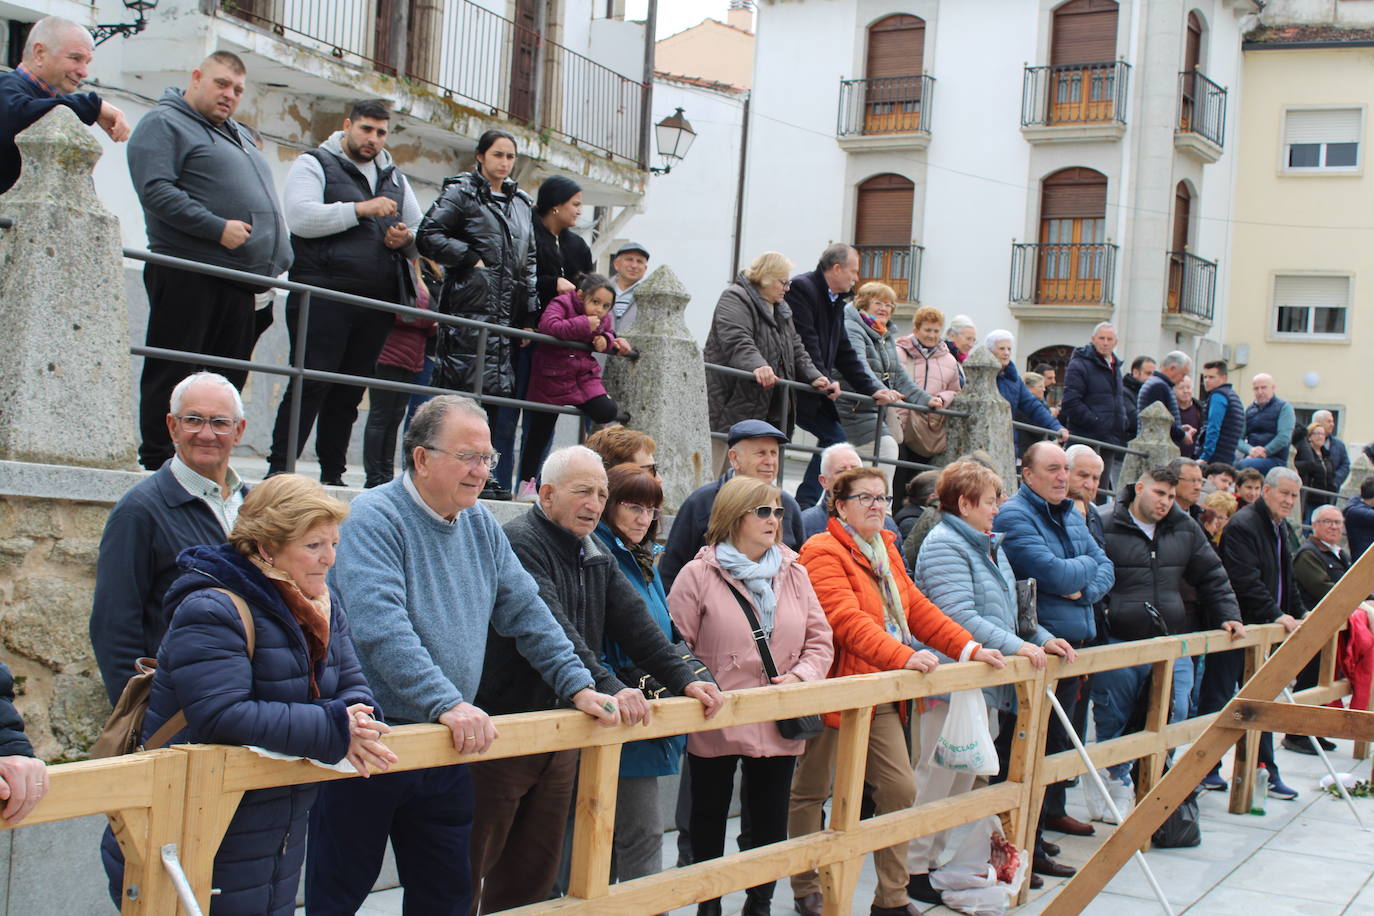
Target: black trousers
[[1074, 694], [1220, 681], [339, 338], [385, 411], [428, 816], [196, 313], [713, 783], [539, 426]]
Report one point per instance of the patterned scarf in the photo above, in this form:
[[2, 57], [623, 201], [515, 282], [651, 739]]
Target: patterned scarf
[[874, 323], [874, 550], [311, 613], [756, 577]]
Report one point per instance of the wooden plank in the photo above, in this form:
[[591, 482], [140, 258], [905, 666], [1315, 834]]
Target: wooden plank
[[1189, 767], [1326, 671], [598, 779], [94, 787], [682, 886], [1156, 720], [1027, 750], [157, 894], [1246, 759], [1326, 721], [209, 806], [839, 879]]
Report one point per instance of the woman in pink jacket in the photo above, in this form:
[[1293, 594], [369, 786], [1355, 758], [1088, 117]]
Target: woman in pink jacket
[[932, 365], [744, 556]]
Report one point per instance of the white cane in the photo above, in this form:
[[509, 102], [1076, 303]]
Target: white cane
[[1335, 777], [1102, 788]]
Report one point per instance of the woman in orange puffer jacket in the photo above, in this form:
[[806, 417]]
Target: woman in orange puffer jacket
[[880, 622]]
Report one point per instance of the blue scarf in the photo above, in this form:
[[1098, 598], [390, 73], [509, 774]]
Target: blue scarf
[[756, 577]]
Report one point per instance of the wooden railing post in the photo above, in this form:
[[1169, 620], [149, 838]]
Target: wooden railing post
[[1027, 750], [208, 808], [1156, 720], [142, 832], [1247, 748], [839, 879], [598, 778]]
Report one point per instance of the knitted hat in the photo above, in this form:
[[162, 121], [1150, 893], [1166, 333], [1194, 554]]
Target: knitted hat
[[556, 190]]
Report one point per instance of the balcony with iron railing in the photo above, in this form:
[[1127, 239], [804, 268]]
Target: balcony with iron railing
[[470, 56], [1192, 293], [1063, 280], [899, 266], [885, 113], [1073, 102], [1201, 116]]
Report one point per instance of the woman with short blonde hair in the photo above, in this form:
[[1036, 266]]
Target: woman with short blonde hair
[[931, 364], [745, 565]]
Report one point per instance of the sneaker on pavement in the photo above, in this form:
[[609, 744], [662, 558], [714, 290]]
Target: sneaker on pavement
[[1122, 792], [1213, 782], [528, 492], [1279, 789]]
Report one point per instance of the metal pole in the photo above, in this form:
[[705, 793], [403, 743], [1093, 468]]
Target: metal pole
[[479, 362], [1340, 786], [1096, 779], [293, 435], [179, 881]]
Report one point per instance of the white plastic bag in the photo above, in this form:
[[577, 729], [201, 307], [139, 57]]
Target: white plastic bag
[[968, 882], [965, 744]]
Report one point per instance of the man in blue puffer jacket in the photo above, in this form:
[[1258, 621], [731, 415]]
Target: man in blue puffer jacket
[[1048, 541], [1025, 406]]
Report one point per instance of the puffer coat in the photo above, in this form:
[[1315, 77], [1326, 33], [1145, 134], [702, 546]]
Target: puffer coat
[[564, 375], [467, 224], [1094, 399], [748, 333], [204, 670], [967, 574], [860, 418]]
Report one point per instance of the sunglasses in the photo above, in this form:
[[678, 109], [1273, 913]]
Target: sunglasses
[[765, 511]]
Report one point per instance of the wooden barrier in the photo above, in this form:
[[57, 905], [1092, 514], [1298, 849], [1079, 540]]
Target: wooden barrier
[[188, 794]]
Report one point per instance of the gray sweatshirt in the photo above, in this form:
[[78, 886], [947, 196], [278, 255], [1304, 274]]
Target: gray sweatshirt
[[193, 176]]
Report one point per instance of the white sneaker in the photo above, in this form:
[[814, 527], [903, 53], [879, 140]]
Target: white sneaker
[[528, 493], [1122, 792]]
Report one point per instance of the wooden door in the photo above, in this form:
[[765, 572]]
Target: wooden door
[[1073, 225], [882, 231], [1192, 59], [1183, 208], [1082, 55], [892, 101], [523, 50]]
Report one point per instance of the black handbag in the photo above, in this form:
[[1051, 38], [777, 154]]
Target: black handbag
[[802, 728]]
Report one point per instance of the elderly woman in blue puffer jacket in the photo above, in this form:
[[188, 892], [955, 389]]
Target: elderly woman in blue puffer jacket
[[298, 690], [962, 568]]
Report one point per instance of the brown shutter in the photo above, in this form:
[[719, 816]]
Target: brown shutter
[[1183, 208], [896, 46], [883, 214], [1074, 194], [1192, 48], [1084, 32]]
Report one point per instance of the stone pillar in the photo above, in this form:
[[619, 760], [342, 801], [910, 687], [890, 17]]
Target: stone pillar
[[65, 394], [1154, 440], [1359, 470], [665, 389], [988, 426]]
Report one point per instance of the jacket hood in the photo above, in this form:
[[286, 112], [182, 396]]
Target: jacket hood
[[1121, 512], [482, 188], [174, 98], [1009, 372], [334, 144], [771, 313], [221, 566], [980, 539]]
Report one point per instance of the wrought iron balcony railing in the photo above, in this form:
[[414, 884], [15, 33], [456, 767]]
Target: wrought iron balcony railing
[[1063, 274], [1192, 285], [1074, 94], [887, 105], [898, 266], [1201, 106]]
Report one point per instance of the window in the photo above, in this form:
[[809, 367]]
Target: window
[[1311, 306], [1323, 138]]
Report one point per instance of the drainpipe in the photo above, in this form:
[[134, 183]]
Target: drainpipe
[[739, 187], [646, 104], [541, 27]]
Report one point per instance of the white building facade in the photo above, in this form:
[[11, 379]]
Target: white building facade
[[1039, 166]]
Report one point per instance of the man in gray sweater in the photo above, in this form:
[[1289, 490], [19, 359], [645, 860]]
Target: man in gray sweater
[[208, 196], [522, 804], [426, 574]]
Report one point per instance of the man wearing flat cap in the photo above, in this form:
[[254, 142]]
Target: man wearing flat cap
[[628, 266], [755, 448]]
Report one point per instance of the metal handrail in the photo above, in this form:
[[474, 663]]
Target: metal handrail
[[1073, 439], [847, 395]]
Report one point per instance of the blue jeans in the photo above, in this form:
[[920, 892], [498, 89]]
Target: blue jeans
[[1263, 465], [1116, 693], [817, 416]]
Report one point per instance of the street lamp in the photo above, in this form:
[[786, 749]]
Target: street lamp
[[675, 136], [103, 33]]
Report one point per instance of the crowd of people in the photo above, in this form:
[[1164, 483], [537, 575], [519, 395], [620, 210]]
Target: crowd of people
[[283, 618]]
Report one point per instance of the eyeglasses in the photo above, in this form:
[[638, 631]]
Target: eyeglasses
[[765, 511], [1329, 521], [650, 468], [469, 458], [785, 283], [637, 510], [867, 500], [220, 426]]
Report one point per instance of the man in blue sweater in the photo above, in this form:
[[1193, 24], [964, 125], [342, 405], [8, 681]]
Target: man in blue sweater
[[425, 572], [57, 54]]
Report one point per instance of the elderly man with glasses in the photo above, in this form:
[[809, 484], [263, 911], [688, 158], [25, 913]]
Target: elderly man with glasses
[[192, 499], [429, 578]]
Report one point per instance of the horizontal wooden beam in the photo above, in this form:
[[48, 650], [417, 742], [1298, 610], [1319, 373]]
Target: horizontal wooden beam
[[96, 787], [1290, 719]]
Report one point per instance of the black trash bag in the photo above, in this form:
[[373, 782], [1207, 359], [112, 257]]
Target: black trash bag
[[1183, 827]]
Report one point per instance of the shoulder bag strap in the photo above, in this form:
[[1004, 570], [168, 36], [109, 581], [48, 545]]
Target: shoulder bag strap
[[173, 726], [760, 641]]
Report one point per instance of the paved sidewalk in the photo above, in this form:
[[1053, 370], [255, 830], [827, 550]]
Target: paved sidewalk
[[1305, 857]]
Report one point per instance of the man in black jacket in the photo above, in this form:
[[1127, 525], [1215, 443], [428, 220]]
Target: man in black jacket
[[1157, 551], [817, 300], [193, 499], [522, 803], [1093, 403], [1318, 566], [1254, 549]]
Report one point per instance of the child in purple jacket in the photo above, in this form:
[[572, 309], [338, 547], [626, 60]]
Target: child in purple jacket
[[568, 376]]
